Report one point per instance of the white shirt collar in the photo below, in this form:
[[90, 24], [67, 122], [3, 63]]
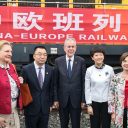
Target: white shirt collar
[[37, 66], [72, 58]]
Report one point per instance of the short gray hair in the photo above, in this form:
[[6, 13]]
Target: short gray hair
[[69, 39]]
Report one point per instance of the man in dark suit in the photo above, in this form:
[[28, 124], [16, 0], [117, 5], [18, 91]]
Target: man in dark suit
[[69, 85], [38, 75]]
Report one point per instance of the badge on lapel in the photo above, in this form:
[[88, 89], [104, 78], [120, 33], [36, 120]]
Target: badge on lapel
[[106, 73], [75, 62]]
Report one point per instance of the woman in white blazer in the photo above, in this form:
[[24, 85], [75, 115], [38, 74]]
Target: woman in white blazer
[[97, 81]]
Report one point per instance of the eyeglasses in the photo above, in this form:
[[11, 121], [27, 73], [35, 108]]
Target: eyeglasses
[[41, 54]]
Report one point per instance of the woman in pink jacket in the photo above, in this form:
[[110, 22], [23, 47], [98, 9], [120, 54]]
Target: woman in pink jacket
[[118, 95], [9, 87]]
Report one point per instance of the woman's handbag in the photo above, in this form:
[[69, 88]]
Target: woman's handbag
[[26, 95]]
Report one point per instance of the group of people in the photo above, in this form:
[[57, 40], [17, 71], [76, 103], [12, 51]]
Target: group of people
[[68, 87]]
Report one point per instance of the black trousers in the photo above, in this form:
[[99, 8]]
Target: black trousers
[[37, 121], [125, 118], [100, 118], [69, 112]]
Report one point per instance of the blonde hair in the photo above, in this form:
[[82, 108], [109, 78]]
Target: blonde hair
[[4, 42]]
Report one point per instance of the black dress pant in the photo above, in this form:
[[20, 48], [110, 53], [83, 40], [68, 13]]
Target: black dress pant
[[37, 121], [69, 112], [125, 118], [100, 118]]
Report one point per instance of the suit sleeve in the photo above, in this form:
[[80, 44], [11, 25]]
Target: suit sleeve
[[88, 87], [24, 74], [56, 79], [51, 88], [83, 80], [111, 95]]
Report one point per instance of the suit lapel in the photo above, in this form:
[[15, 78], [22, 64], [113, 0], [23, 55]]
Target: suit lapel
[[34, 75], [64, 65], [74, 66], [46, 75]]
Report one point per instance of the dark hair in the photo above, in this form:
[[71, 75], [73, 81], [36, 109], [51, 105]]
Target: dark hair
[[97, 50], [40, 46], [123, 56]]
